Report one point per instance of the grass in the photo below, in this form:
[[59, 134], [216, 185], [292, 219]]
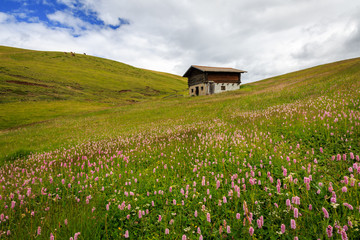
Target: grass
[[246, 164], [34, 112], [35, 75], [98, 121], [72, 85]]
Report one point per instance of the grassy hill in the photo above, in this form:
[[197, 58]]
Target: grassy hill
[[265, 162], [37, 86], [48, 125]]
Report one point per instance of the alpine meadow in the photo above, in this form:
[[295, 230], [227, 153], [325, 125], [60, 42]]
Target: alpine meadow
[[96, 149]]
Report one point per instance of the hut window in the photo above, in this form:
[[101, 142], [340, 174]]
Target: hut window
[[223, 88], [192, 90], [202, 88]]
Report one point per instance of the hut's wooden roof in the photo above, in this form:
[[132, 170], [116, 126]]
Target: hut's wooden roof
[[212, 69]]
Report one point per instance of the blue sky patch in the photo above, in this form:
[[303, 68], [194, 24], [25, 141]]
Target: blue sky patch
[[32, 11]]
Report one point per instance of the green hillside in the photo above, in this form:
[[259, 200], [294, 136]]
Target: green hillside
[[35, 75], [265, 162], [54, 124], [37, 86]]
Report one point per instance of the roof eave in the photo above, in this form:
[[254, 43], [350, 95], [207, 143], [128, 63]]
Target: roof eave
[[187, 73], [228, 71], [189, 70]]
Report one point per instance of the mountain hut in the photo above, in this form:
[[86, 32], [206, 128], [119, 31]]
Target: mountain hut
[[204, 80]]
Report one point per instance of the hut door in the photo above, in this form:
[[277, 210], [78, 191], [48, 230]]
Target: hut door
[[197, 91], [212, 88]]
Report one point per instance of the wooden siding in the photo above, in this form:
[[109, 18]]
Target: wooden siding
[[196, 77], [219, 77]]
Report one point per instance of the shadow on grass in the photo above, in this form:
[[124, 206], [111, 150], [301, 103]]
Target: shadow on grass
[[22, 153]]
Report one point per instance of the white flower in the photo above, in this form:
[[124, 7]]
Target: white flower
[[334, 205]]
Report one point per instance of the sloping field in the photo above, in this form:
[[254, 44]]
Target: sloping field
[[77, 122], [38, 86], [278, 159]]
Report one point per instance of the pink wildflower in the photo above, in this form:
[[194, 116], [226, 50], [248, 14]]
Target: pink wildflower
[[326, 214], [126, 234], [329, 231], [217, 184], [251, 231], [282, 228], [208, 217], [296, 200], [293, 223], [296, 213], [76, 235], [343, 235], [349, 206]]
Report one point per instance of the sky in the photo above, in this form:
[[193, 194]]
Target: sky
[[263, 37]]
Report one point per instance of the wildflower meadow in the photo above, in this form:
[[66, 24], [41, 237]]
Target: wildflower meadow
[[290, 171]]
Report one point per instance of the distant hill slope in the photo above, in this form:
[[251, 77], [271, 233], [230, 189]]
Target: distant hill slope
[[27, 75], [329, 76], [37, 86], [298, 85]]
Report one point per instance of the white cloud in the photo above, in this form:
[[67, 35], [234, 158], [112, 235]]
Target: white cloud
[[5, 17], [68, 20], [264, 37]]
